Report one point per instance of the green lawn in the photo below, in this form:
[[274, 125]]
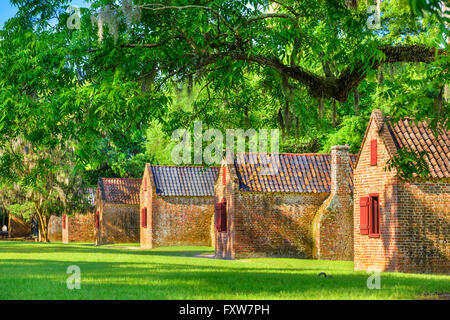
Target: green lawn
[[38, 271]]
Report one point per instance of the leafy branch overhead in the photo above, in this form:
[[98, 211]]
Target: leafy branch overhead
[[290, 37], [409, 164]]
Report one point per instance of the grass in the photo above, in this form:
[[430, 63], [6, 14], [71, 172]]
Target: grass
[[38, 271]]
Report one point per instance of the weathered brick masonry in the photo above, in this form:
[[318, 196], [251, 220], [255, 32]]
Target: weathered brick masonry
[[79, 227], [177, 205], [55, 228], [117, 210], [280, 213], [414, 218], [18, 226], [333, 223]]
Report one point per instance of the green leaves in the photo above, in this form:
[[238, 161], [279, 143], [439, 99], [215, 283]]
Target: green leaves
[[409, 164]]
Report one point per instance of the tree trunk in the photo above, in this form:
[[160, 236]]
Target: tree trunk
[[380, 75], [356, 100], [42, 224], [321, 103], [246, 116], [190, 85], [287, 121], [280, 120], [334, 114]]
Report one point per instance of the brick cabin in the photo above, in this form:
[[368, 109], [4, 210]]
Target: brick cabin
[[401, 226], [177, 206], [305, 209], [80, 227], [116, 218]]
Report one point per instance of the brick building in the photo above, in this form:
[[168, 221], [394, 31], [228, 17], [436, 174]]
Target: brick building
[[401, 226], [116, 218], [303, 209], [80, 227], [177, 205]]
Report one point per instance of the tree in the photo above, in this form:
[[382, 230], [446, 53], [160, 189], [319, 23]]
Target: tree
[[55, 97], [40, 183]]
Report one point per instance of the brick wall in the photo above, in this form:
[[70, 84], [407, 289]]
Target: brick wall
[[182, 220], [423, 231], [333, 223], [55, 228], [118, 223], [175, 220], [414, 218], [18, 227], [79, 228], [275, 224]]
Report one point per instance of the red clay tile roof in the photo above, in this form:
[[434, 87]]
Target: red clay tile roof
[[184, 180], [418, 137], [120, 190], [310, 173]]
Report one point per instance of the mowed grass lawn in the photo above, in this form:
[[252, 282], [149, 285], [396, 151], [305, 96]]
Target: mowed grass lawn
[[38, 271]]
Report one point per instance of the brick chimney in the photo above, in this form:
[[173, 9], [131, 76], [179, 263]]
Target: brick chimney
[[340, 171], [333, 238]]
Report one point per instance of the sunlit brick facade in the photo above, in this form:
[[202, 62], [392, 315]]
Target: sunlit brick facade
[[177, 206], [295, 211], [401, 226]]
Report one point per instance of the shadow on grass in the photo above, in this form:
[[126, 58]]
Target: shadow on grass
[[167, 273], [37, 247], [46, 279]]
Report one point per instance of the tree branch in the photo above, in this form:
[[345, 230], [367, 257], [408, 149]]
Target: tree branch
[[336, 88]]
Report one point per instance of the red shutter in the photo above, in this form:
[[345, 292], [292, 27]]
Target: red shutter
[[97, 219], [218, 215], [223, 218], [144, 217], [373, 152], [224, 175], [374, 216], [364, 215], [64, 221]]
